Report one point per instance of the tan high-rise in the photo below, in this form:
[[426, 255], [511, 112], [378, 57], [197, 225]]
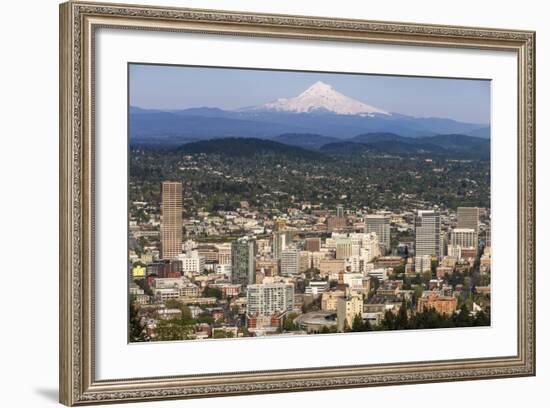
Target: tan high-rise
[[468, 217], [171, 225]]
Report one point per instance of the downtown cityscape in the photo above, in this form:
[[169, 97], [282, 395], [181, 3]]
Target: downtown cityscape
[[359, 219]]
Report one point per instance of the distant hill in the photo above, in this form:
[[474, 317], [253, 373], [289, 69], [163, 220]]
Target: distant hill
[[305, 140], [484, 132], [243, 147], [203, 123], [455, 145], [375, 137]]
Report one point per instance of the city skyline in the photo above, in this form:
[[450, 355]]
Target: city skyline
[[315, 207]]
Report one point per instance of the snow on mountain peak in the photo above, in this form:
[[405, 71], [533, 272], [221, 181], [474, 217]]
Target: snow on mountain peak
[[322, 97]]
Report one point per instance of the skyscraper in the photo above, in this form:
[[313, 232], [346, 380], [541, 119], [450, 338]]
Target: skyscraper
[[279, 243], [344, 248], [290, 261], [380, 224], [428, 233], [171, 224], [468, 217], [464, 237], [243, 261], [340, 211]]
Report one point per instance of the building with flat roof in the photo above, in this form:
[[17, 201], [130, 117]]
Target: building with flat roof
[[243, 261], [468, 217], [267, 299], [464, 237], [347, 309], [379, 224], [432, 300], [428, 233], [171, 219], [313, 244], [290, 262]]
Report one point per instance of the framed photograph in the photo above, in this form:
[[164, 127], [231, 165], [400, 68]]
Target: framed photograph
[[256, 203]]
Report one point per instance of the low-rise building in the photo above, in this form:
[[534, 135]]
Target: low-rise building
[[441, 304], [316, 288], [347, 309], [331, 266]]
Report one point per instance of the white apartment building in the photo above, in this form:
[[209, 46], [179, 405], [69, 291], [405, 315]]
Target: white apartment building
[[316, 288], [191, 262], [267, 299], [380, 273]]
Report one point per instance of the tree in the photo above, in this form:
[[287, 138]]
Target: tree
[[426, 277], [172, 329], [482, 319], [223, 334], [463, 318], [213, 292], [137, 331], [357, 324], [388, 323], [402, 319], [289, 324]]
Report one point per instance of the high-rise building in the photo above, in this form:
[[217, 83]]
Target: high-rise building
[[171, 223], [243, 261], [313, 244], [267, 299], [290, 261], [428, 233], [464, 237], [380, 224], [337, 222], [279, 244], [468, 217], [344, 248]]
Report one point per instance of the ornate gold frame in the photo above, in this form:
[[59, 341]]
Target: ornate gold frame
[[78, 21]]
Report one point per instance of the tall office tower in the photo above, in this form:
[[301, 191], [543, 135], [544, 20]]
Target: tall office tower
[[381, 225], [340, 211], [243, 261], [171, 224], [464, 237], [290, 261], [468, 217], [269, 298], [344, 248], [313, 244], [428, 233], [279, 243]]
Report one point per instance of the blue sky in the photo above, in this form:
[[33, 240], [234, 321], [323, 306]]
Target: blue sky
[[180, 87]]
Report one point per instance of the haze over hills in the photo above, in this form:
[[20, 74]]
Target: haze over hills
[[462, 147], [320, 109]]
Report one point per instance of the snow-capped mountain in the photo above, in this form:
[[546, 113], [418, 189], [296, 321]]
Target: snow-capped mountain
[[321, 97]]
